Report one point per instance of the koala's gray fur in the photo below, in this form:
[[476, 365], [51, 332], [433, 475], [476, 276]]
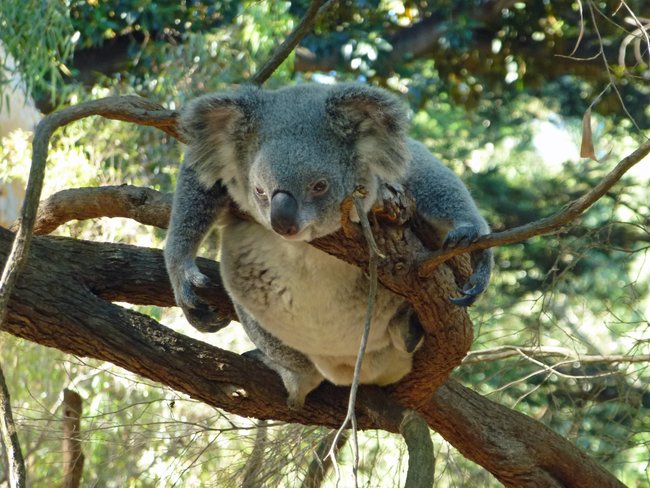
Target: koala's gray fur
[[288, 158]]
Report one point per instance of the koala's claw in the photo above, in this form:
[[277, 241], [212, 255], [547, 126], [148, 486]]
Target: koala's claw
[[204, 318], [469, 295], [462, 235], [478, 282]]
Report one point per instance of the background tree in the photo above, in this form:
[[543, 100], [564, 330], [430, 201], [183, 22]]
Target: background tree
[[493, 86]]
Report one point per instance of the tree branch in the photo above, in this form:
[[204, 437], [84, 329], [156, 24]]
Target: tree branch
[[143, 205], [292, 40], [568, 355], [62, 303], [546, 225]]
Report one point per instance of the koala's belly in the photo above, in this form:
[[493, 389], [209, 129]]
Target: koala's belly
[[308, 299]]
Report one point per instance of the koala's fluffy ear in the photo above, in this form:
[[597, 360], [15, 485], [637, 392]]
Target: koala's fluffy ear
[[216, 127], [375, 121]]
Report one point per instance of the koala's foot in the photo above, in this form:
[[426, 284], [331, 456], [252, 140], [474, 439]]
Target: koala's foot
[[297, 383], [406, 331], [466, 234], [198, 313], [478, 282]]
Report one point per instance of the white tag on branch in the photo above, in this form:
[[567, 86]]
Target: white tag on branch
[[587, 146]]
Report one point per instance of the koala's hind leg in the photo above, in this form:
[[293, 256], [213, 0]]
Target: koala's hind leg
[[405, 330], [298, 373]]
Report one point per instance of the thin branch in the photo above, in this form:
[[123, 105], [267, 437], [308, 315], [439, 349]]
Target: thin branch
[[130, 109], [373, 257], [289, 44], [416, 434], [546, 225], [321, 463], [9, 436], [568, 355], [255, 461]]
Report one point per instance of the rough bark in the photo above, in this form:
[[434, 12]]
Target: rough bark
[[137, 203], [62, 303], [73, 458]]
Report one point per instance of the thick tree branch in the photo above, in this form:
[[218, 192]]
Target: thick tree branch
[[548, 224], [62, 303], [143, 205], [519, 445]]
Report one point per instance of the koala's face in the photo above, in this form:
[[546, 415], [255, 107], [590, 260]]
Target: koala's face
[[296, 189], [290, 157]]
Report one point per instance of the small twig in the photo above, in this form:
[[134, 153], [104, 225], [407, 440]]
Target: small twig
[[289, 44], [320, 464], [15, 461], [253, 467], [131, 109], [373, 257], [504, 352], [543, 226]]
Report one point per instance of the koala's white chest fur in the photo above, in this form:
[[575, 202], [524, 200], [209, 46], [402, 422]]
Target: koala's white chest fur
[[308, 299]]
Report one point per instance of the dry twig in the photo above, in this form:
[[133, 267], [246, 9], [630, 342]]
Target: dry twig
[[546, 225], [9, 437], [290, 43]]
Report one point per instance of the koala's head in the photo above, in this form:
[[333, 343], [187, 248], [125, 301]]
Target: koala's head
[[290, 157]]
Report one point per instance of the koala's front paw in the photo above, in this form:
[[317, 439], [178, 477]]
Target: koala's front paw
[[462, 235], [472, 290], [198, 313]]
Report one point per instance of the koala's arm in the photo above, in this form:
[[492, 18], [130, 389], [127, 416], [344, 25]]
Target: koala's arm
[[444, 201], [194, 211]]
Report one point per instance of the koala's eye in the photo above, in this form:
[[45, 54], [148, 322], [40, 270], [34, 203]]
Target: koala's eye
[[260, 192], [319, 187]]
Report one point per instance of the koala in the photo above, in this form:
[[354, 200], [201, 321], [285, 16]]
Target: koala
[[288, 158]]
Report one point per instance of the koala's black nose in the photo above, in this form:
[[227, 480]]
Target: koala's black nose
[[284, 213]]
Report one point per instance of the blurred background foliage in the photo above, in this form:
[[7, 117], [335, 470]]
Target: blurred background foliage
[[497, 89]]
